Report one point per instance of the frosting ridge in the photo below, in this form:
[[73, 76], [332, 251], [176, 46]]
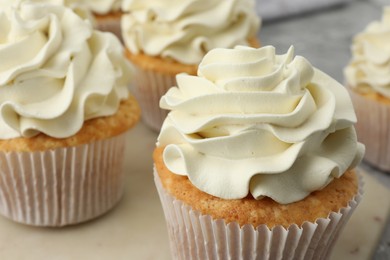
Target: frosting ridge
[[68, 72], [96, 6], [253, 121], [369, 68], [186, 30]]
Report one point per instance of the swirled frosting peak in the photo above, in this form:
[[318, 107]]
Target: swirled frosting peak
[[186, 30], [260, 123], [369, 68], [56, 71]]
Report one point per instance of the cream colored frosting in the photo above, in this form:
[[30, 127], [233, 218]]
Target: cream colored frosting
[[97, 6], [253, 121], [5, 3], [100, 6], [82, 11], [56, 72], [186, 30], [369, 68]]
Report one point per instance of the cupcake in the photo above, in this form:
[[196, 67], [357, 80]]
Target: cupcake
[[64, 112], [368, 80], [256, 158], [163, 39]]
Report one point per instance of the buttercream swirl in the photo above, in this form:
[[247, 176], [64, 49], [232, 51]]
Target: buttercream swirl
[[186, 30], [81, 10], [253, 121], [56, 72], [101, 7], [369, 68]]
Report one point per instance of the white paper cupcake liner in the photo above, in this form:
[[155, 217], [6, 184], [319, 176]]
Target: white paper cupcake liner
[[62, 186], [110, 24], [373, 129], [148, 87], [196, 236]]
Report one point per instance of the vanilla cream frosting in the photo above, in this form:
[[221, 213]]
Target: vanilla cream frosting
[[5, 3], [100, 6], [79, 9], [56, 72], [186, 30], [96, 6], [369, 68], [253, 121]]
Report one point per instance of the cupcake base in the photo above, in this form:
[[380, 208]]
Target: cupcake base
[[62, 186], [150, 87], [154, 76], [197, 236], [45, 181], [110, 23], [372, 127]]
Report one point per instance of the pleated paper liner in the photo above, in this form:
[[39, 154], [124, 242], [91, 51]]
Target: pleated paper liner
[[110, 23], [62, 186], [148, 87], [373, 128], [196, 236]]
